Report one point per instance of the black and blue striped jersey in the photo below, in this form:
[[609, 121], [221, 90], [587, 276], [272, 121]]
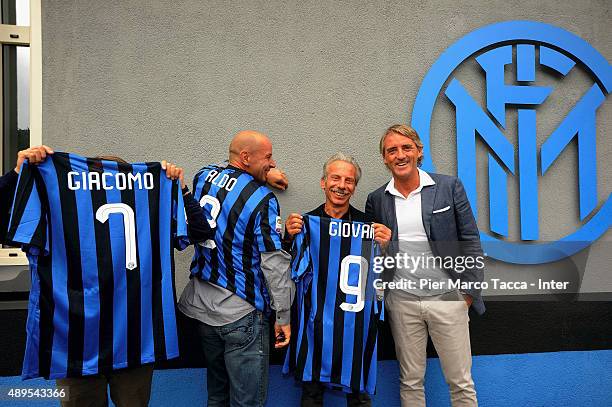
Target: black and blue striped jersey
[[337, 310], [100, 237], [246, 215]]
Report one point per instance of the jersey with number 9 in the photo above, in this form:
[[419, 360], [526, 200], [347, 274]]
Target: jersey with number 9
[[337, 309]]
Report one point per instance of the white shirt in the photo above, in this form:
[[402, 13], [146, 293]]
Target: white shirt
[[408, 210], [413, 241]]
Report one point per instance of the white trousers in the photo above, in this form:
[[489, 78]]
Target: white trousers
[[412, 319]]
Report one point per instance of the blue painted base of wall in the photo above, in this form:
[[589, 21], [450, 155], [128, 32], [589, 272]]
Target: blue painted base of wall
[[536, 379]]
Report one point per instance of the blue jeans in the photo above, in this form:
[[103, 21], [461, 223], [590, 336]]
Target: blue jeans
[[237, 357]]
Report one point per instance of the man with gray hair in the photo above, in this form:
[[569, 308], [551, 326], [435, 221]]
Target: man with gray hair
[[340, 177]]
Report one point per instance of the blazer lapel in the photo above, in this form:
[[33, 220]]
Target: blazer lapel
[[389, 214], [428, 193]]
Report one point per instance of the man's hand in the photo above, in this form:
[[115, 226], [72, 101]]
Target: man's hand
[[382, 234], [468, 299], [34, 155], [294, 224], [173, 172], [277, 179], [282, 333]]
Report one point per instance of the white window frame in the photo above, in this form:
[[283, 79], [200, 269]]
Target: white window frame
[[32, 36]]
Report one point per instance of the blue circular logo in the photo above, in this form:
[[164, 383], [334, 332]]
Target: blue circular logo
[[555, 45]]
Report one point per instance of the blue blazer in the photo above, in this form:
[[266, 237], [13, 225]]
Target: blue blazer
[[451, 232]]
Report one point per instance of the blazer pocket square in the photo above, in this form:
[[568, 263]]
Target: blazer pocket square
[[441, 210]]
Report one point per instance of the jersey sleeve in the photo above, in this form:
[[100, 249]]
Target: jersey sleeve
[[28, 222], [379, 294], [179, 218], [300, 253], [269, 225]]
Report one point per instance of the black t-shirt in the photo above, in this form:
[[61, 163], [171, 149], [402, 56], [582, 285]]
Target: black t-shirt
[[352, 214]]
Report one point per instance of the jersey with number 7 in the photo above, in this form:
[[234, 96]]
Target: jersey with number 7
[[100, 237]]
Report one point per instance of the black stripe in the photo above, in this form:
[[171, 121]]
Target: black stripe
[[156, 273], [24, 189], [173, 230], [338, 337], [193, 264], [133, 284], [358, 350], [247, 257], [250, 242], [105, 276], [76, 308], [295, 331], [205, 188], [368, 353], [321, 287], [266, 228], [372, 333], [46, 304], [201, 260], [298, 253], [302, 352], [218, 253], [307, 307], [232, 223]]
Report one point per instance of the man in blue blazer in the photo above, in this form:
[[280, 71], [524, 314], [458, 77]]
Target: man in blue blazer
[[438, 266]]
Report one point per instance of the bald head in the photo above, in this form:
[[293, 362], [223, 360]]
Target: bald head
[[246, 140], [251, 151]]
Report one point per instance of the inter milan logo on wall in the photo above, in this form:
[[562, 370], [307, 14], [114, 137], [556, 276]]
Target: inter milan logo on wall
[[526, 47]]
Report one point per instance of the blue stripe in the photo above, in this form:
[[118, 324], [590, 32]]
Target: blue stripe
[[314, 244], [273, 213], [237, 250], [222, 225], [21, 172], [30, 360], [117, 240], [30, 219], [59, 353], [89, 267], [370, 386], [259, 300], [205, 270], [165, 208], [299, 259], [145, 255], [330, 302], [238, 240]]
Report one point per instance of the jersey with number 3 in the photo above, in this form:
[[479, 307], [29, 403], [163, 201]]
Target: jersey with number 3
[[246, 216], [336, 314], [100, 237]]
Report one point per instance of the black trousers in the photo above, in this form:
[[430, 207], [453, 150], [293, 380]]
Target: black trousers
[[312, 396], [128, 388]]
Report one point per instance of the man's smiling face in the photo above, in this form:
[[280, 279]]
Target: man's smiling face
[[401, 155], [340, 183]]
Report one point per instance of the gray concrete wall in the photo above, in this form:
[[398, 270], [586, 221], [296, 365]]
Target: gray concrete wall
[[152, 80]]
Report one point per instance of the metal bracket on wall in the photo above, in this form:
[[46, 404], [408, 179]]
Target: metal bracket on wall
[[14, 35]]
